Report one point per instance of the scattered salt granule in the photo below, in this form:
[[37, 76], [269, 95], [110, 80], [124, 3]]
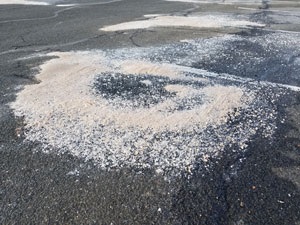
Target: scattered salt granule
[[130, 111]]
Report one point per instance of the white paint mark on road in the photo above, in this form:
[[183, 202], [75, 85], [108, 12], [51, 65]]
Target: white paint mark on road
[[88, 4], [22, 2]]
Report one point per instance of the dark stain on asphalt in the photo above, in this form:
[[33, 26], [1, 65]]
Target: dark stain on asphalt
[[142, 90]]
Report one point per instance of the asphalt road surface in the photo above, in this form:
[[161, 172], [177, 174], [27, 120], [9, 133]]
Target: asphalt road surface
[[150, 112]]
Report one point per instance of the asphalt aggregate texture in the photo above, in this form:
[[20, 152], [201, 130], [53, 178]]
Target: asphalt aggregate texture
[[260, 185]]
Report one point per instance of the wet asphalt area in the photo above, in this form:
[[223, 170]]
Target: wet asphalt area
[[259, 185]]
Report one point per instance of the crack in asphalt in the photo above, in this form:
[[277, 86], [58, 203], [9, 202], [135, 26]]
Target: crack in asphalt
[[131, 38], [24, 48], [56, 14]]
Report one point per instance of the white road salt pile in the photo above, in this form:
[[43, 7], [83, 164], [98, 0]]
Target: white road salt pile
[[207, 21], [125, 108], [22, 2]]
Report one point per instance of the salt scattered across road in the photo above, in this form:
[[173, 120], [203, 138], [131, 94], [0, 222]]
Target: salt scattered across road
[[125, 108], [207, 21]]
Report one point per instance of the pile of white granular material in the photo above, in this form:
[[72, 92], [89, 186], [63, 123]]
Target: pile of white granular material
[[65, 112]]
